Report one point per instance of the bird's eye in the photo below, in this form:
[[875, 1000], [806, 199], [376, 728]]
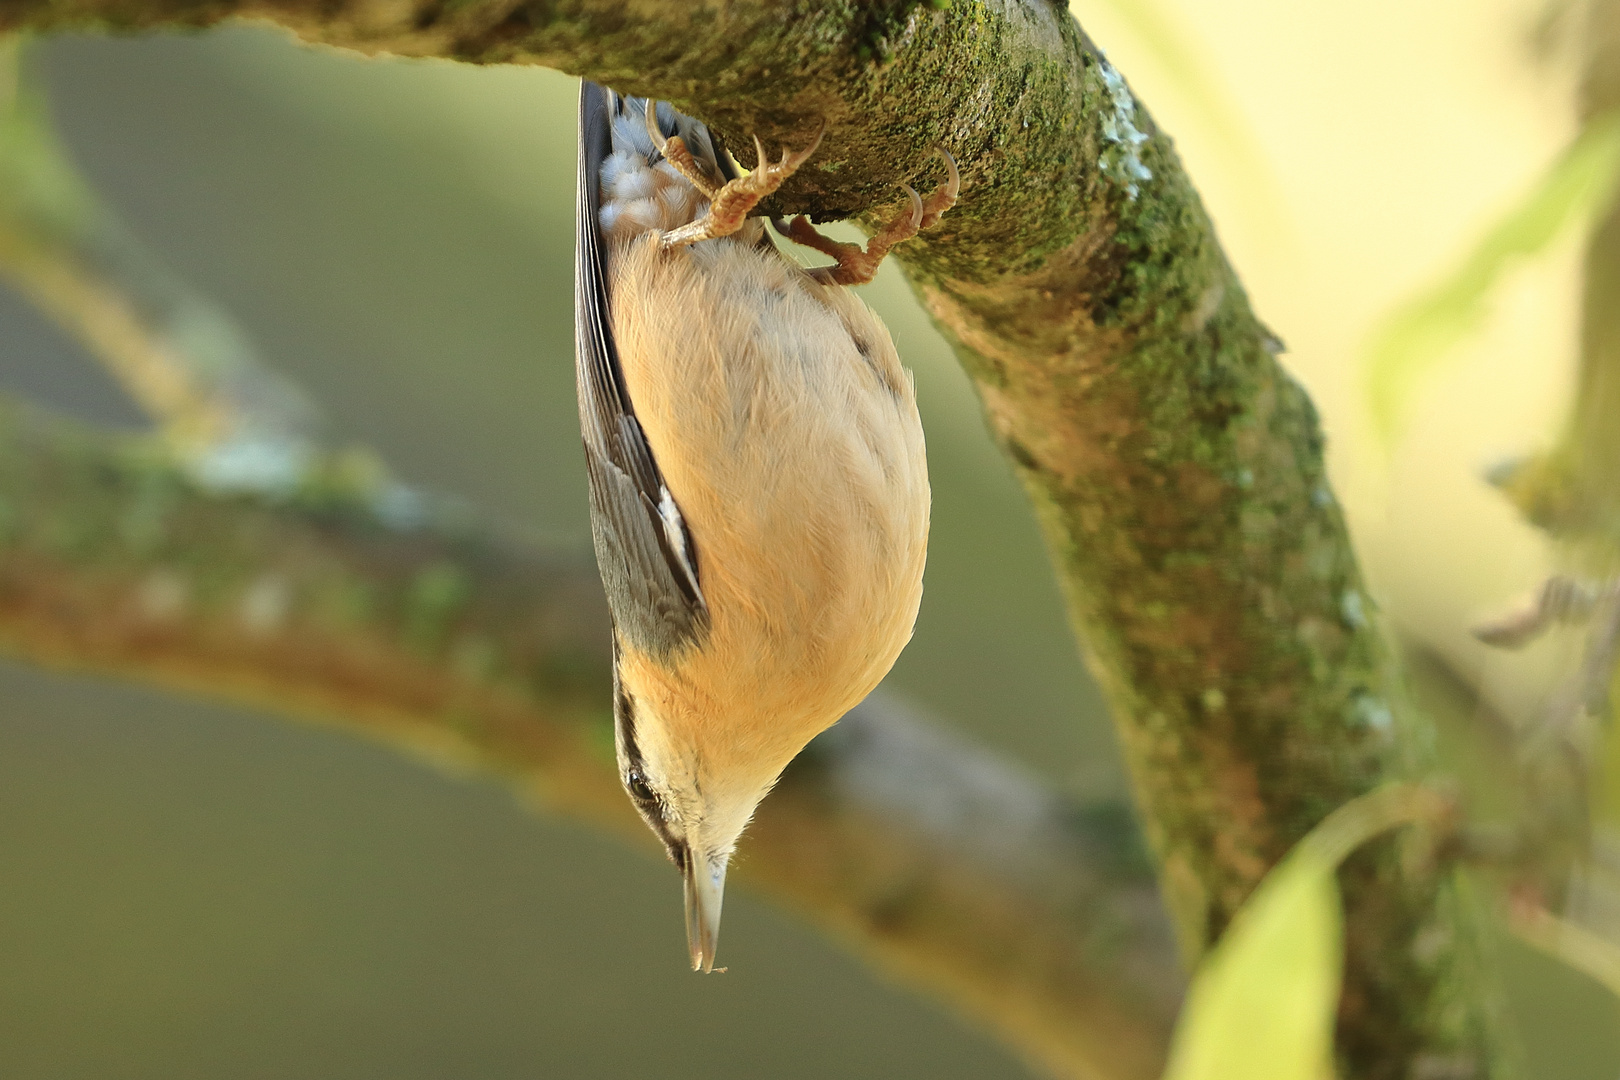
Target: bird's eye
[[639, 789]]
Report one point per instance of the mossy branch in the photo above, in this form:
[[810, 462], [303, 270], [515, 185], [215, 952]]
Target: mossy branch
[[1176, 468]]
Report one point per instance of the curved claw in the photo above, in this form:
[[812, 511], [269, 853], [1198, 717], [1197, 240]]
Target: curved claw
[[944, 196], [804, 155], [857, 265], [953, 181], [916, 206], [653, 130], [729, 204], [791, 159]]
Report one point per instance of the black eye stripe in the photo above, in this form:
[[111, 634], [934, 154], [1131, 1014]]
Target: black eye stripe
[[635, 778], [624, 715], [624, 718]]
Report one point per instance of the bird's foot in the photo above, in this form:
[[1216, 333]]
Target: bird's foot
[[729, 205], [677, 153], [857, 265]]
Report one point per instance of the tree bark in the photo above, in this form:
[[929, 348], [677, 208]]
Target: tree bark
[[1176, 468]]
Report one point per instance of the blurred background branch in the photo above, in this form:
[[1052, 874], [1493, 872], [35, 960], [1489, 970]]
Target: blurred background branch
[[236, 423], [1556, 851], [955, 869], [1577, 494]]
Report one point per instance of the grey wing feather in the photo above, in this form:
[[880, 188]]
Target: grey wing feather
[[643, 548]]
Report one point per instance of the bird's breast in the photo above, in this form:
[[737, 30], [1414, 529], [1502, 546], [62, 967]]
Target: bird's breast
[[788, 433]]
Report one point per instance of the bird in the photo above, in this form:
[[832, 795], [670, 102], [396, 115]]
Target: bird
[[757, 470]]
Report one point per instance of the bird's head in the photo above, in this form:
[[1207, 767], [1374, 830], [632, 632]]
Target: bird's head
[[696, 786]]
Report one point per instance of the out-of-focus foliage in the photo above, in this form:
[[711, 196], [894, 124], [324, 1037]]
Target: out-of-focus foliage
[[1416, 337], [1262, 1004], [37, 187], [1591, 954]]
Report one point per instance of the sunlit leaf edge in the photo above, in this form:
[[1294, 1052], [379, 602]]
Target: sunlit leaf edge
[[1417, 335]]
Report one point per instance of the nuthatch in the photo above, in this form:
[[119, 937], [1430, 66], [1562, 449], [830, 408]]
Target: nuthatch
[[759, 493]]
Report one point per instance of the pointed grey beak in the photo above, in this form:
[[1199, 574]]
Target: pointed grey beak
[[705, 888]]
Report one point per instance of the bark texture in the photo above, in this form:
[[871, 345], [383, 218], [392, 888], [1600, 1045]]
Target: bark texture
[[1177, 469]]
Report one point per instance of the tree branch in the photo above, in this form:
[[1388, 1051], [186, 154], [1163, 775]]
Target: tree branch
[[955, 870], [1176, 468]]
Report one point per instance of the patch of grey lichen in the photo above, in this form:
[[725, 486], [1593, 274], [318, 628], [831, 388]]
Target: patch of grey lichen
[[1121, 158]]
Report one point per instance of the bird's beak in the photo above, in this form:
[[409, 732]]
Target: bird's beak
[[705, 888]]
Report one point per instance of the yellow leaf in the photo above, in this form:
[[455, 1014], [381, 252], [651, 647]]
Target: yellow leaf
[[1262, 1004]]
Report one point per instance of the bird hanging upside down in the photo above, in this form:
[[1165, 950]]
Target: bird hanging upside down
[[759, 492]]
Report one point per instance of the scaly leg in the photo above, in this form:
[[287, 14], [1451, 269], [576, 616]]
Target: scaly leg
[[857, 265], [729, 206]]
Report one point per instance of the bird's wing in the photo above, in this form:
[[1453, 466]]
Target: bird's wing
[[643, 548]]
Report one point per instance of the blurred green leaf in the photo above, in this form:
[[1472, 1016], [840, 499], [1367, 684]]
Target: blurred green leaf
[[1583, 949], [41, 196], [1262, 1003], [1417, 335]]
